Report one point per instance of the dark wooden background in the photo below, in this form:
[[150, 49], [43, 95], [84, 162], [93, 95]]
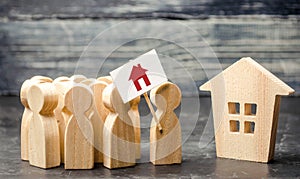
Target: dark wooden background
[[48, 37]]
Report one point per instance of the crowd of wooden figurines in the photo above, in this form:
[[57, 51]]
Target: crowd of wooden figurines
[[78, 122]]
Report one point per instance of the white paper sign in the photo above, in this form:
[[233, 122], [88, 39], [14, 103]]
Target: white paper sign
[[138, 76]]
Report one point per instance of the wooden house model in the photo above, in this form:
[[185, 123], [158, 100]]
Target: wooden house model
[[245, 101]]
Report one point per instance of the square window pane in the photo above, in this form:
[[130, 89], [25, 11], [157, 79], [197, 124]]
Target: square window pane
[[250, 109], [233, 108], [249, 127], [234, 126]]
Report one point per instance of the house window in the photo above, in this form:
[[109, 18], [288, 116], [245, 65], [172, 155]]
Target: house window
[[246, 118], [249, 127], [250, 109], [234, 126], [233, 108]]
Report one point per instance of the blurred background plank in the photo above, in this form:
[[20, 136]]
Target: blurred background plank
[[175, 9], [48, 37]]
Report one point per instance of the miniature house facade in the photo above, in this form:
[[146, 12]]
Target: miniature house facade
[[138, 72], [245, 101]]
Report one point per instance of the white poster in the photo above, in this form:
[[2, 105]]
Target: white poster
[[139, 76]]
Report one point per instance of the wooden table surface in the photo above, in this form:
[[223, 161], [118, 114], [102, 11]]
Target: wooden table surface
[[197, 162]]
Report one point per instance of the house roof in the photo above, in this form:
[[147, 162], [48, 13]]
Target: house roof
[[137, 72], [249, 62]]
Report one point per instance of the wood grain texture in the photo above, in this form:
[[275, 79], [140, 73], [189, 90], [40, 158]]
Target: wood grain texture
[[246, 82], [177, 9], [79, 134], [27, 114], [44, 149], [165, 147], [118, 135], [56, 46]]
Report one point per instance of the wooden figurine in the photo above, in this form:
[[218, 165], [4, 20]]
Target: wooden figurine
[[135, 117], [94, 116], [245, 101], [62, 84], [106, 79], [44, 149], [118, 134], [102, 110], [77, 78], [88, 81], [97, 118], [79, 134], [165, 146], [41, 78], [27, 114]]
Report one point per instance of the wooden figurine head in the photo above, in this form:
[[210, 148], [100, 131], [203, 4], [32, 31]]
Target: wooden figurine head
[[166, 97], [106, 79], [88, 81], [78, 99], [77, 78], [98, 87], [27, 84], [113, 101], [42, 98]]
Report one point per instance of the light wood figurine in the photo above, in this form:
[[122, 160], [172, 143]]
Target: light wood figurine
[[98, 117], [27, 114], [106, 79], [94, 116], [102, 110], [77, 78], [118, 134], [62, 115], [133, 113], [44, 149], [79, 135], [245, 102], [135, 117], [165, 146]]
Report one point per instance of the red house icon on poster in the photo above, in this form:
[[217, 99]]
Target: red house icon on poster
[[137, 73]]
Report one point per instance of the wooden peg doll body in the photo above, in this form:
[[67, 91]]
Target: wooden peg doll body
[[102, 110], [97, 119], [44, 149], [62, 84], [79, 135], [135, 117], [98, 116], [165, 147], [27, 114], [118, 134]]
